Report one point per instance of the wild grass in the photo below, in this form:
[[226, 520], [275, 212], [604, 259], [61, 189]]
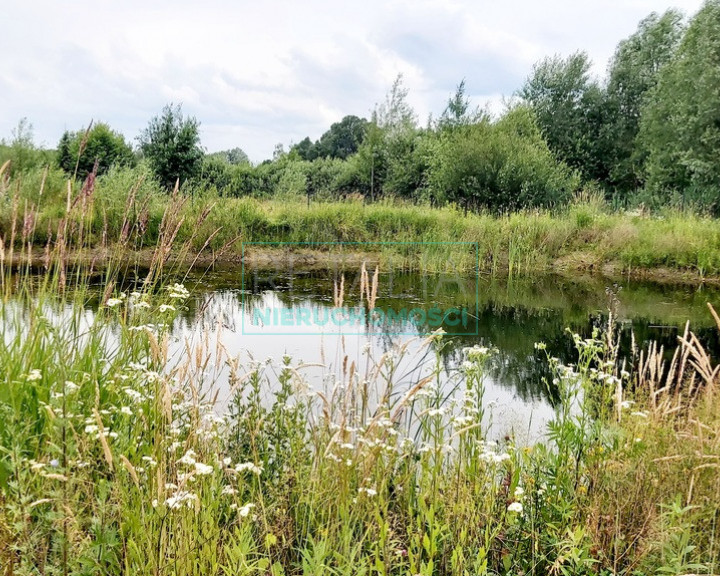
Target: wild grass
[[117, 461], [585, 235]]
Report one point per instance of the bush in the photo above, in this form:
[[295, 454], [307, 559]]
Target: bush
[[502, 165]]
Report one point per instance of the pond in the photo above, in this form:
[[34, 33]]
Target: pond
[[263, 315]]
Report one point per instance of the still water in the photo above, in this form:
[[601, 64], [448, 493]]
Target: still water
[[265, 315]]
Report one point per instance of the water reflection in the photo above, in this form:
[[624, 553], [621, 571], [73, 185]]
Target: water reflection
[[510, 317]]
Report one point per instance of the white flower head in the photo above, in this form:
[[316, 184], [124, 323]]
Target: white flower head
[[248, 466], [515, 507], [203, 469]]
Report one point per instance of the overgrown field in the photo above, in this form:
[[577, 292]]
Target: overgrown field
[[114, 460], [125, 209]]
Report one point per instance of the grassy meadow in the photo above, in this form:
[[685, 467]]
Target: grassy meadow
[[114, 460]]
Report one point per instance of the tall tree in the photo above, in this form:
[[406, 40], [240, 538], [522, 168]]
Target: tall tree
[[568, 106], [458, 111], [680, 123], [171, 144], [396, 114], [343, 138], [633, 71]]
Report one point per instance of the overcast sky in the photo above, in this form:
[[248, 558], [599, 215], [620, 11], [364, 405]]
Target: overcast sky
[[262, 72]]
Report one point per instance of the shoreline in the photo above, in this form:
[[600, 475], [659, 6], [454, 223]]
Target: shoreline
[[576, 266]]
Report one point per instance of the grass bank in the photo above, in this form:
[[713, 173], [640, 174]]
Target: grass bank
[[583, 236]]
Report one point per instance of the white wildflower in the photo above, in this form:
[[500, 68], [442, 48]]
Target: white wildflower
[[166, 308], [126, 410], [34, 375], [188, 458], [112, 302], [519, 491], [244, 511], [181, 498], [250, 467], [178, 291], [476, 353], [515, 507], [369, 491], [134, 394], [203, 469]]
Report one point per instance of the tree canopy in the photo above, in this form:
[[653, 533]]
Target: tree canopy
[[77, 152], [171, 144]]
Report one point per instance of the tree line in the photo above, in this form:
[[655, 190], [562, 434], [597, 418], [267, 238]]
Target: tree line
[[649, 132]]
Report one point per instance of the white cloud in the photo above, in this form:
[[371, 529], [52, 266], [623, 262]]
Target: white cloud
[[258, 73]]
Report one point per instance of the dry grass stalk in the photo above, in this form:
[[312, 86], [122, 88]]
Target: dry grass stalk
[[339, 291], [369, 289], [690, 372]]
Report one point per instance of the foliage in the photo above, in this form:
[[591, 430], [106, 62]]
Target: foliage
[[234, 156], [458, 111], [79, 151], [569, 109], [115, 459], [21, 152], [680, 125], [499, 165], [341, 141], [171, 145], [633, 72]]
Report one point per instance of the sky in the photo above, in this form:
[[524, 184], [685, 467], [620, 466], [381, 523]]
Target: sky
[[260, 73]]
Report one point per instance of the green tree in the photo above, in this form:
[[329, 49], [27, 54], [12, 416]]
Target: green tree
[[393, 151], [371, 159], [633, 71], [235, 156], [569, 107], [458, 111], [305, 149], [680, 122], [79, 151], [22, 147], [500, 165], [343, 138], [171, 144]]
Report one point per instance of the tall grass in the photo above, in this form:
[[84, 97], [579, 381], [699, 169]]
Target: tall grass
[[584, 235]]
